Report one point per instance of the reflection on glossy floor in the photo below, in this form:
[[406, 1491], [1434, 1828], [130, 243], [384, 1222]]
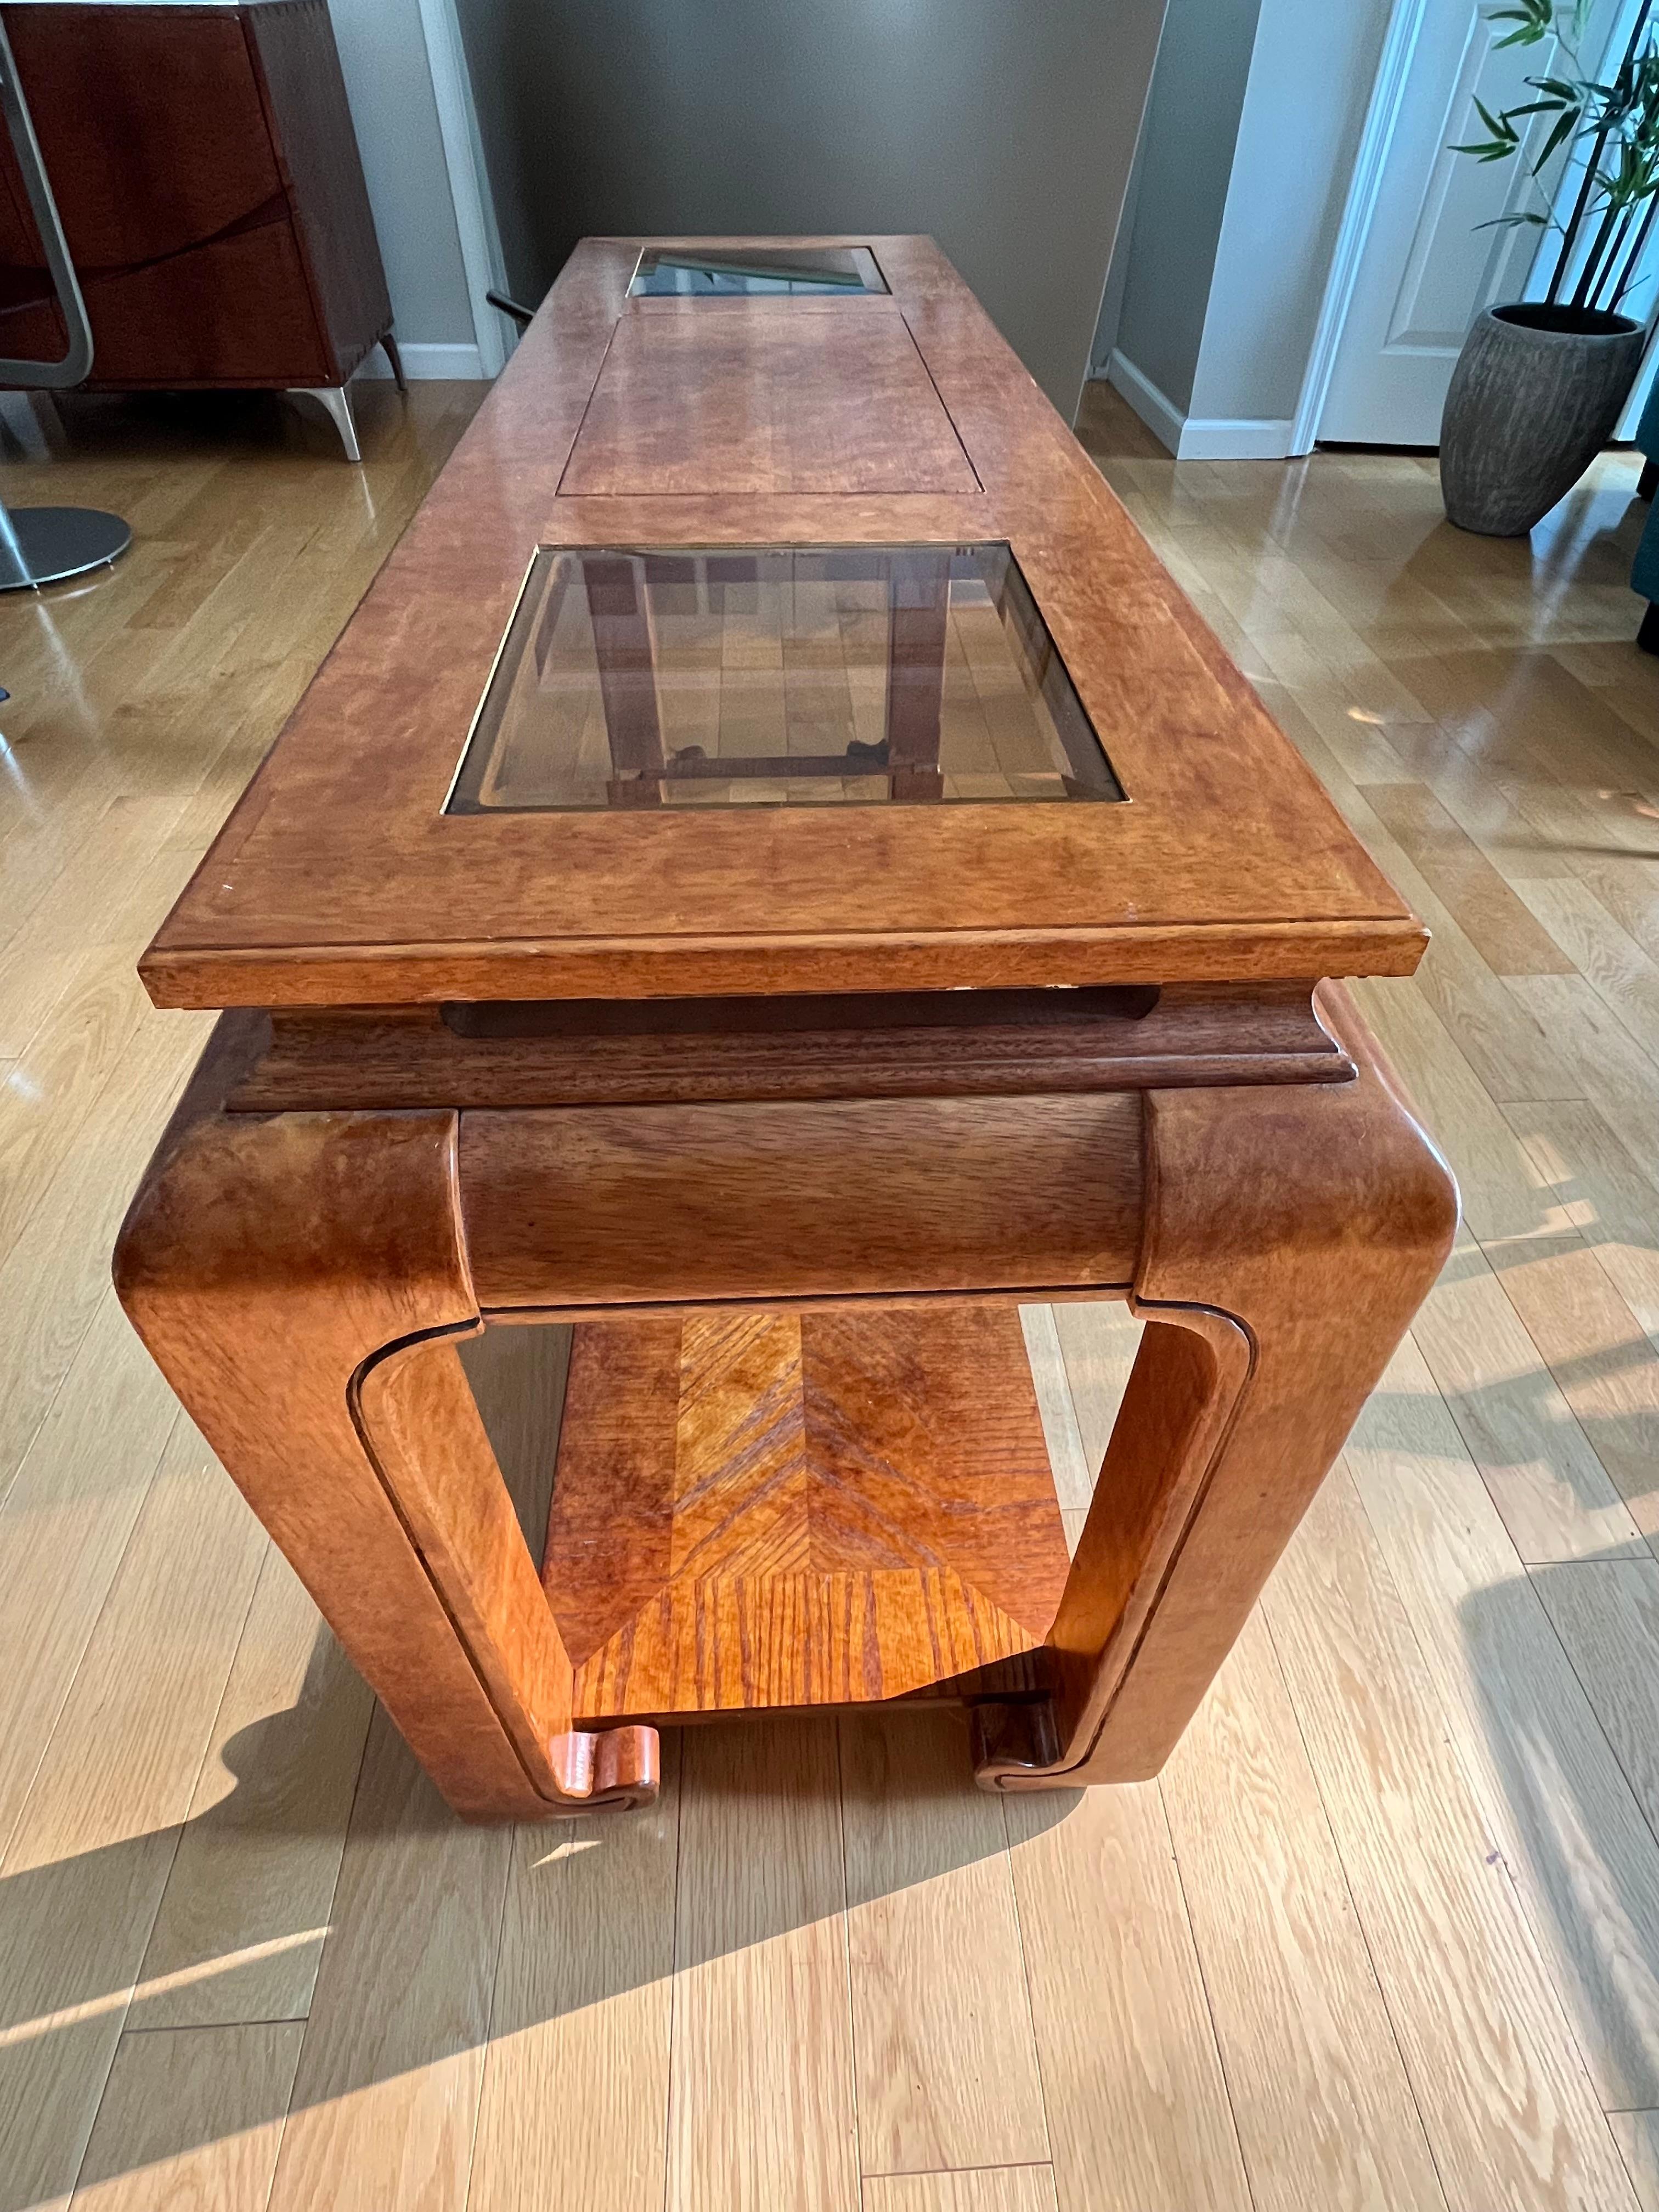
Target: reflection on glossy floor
[[1386, 1934]]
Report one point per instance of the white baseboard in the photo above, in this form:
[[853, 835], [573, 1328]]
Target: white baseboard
[[1197, 437], [1234, 438], [424, 364], [1159, 412]]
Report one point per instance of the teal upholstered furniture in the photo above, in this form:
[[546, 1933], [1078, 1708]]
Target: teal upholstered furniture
[[1644, 569]]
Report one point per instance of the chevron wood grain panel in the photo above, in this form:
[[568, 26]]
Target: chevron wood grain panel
[[801, 1509]]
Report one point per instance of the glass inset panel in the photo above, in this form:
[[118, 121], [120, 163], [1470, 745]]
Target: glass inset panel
[[682, 272], [777, 676]]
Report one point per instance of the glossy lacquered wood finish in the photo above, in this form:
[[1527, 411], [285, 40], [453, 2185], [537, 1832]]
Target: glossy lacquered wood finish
[[296, 1279], [679, 1204], [965, 1044], [1187, 2023], [339, 880], [760, 1509], [725, 1194], [1290, 1237], [205, 165], [727, 395]]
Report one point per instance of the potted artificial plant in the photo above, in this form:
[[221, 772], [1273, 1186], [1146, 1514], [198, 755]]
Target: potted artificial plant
[[1540, 383]]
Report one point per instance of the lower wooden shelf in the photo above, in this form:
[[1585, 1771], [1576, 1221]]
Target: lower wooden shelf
[[787, 1510]]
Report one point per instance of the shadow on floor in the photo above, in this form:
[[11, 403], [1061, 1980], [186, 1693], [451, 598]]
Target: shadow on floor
[[563, 1916]]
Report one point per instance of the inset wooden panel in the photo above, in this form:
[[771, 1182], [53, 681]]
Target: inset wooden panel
[[766, 396], [789, 1510]]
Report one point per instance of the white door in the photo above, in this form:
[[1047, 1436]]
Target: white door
[[1426, 267]]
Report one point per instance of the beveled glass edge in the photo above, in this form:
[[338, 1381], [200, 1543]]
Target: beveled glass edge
[[1118, 797], [880, 290], [495, 665]]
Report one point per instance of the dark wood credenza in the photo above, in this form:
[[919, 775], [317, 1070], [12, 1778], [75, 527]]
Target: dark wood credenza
[[207, 174]]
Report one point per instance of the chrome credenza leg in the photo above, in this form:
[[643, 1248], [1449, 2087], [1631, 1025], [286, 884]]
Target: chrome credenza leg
[[335, 397]]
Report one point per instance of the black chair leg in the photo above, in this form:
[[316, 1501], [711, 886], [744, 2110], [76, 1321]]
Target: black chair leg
[[1648, 637], [394, 360], [1648, 483]]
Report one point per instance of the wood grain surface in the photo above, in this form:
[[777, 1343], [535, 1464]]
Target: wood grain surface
[[782, 1510], [1425, 1671], [921, 1044], [609, 1206], [1292, 1235], [360, 1247], [765, 396], [205, 167], [340, 880]]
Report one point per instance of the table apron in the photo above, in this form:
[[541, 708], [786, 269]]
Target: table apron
[[571, 1208]]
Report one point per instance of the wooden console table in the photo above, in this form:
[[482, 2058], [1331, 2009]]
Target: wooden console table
[[866, 899]]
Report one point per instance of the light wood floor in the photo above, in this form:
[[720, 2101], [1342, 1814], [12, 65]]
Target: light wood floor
[[1387, 1932]]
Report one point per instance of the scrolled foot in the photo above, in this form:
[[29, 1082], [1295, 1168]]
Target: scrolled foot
[[620, 1767], [1014, 1746]]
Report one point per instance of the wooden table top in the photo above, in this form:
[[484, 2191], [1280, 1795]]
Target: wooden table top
[[903, 418]]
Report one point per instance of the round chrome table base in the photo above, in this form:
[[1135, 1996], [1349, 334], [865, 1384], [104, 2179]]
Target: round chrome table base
[[45, 545]]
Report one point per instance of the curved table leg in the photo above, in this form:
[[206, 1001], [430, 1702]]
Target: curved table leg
[[1291, 1233], [300, 1280]]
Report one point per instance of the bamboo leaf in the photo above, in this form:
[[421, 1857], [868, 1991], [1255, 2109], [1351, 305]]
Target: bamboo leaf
[[1504, 133], [1562, 130]]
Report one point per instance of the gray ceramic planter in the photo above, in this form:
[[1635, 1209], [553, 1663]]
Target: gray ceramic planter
[[1530, 407]]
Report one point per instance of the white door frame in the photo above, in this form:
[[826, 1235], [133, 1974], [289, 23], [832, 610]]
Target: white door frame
[[1364, 189], [469, 182]]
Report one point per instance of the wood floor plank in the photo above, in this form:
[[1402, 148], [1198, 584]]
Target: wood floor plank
[[1638, 2137], [1503, 1044], [1555, 1800], [1074, 1476], [240, 1928], [1614, 964], [1131, 2078], [36, 965], [1509, 2109], [48, 1092], [63, 1526], [87, 1861], [1557, 1498], [1098, 1338], [1595, 1186], [1600, 1358], [1615, 1073], [57, 1273], [1623, 883], [393, 2057], [1607, 1614], [1001, 2188], [762, 2102], [1498, 1193], [575, 2090], [946, 2058], [1325, 2113], [190, 2118], [1512, 940]]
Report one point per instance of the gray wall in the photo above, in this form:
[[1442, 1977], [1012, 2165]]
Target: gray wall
[[1186, 163], [383, 59], [1006, 130]]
